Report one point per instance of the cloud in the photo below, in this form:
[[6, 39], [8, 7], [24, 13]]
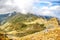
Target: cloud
[[39, 7], [6, 6], [50, 0], [25, 5], [2, 1], [56, 10], [20, 5], [45, 11], [50, 11]]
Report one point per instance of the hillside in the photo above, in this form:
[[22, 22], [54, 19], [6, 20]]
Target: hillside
[[22, 25], [18, 24], [49, 34]]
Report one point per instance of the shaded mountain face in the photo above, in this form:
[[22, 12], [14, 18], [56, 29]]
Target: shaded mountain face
[[5, 17]]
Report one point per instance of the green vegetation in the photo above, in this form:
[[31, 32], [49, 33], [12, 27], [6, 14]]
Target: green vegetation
[[17, 24], [25, 24], [23, 18], [26, 29]]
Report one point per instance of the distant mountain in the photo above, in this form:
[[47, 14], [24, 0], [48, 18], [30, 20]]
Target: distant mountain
[[24, 17], [10, 16], [17, 17], [5, 17]]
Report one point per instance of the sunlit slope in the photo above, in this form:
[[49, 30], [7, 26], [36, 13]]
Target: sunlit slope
[[48, 34], [22, 25], [28, 25]]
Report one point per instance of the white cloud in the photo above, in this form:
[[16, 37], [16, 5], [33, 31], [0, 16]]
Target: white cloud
[[21, 5], [25, 6], [45, 11], [6, 9], [54, 7], [9, 2], [50, 11], [49, 3]]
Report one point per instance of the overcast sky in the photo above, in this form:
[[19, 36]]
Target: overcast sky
[[40, 7]]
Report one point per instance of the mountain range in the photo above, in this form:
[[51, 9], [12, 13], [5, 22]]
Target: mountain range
[[17, 25], [5, 17]]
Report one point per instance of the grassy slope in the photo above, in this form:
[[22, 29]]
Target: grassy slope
[[49, 34], [22, 25]]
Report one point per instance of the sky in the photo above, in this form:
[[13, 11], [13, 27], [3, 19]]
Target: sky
[[39, 7]]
